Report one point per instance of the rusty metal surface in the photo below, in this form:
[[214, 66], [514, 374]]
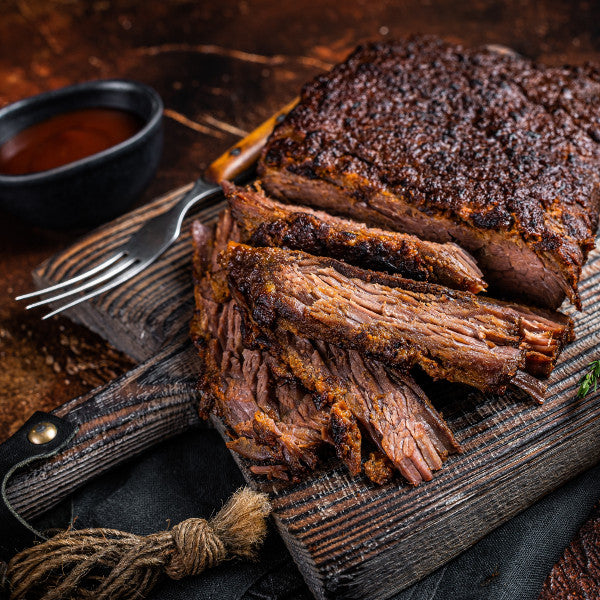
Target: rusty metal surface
[[221, 67]]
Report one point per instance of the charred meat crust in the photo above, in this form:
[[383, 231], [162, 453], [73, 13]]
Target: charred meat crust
[[451, 334], [265, 222], [576, 575], [511, 267], [460, 144]]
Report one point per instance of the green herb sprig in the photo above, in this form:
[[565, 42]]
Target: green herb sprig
[[590, 379]]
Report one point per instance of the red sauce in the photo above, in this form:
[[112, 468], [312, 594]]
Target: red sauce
[[65, 138]]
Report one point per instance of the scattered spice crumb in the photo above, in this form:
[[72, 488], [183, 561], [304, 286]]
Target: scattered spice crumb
[[36, 356]]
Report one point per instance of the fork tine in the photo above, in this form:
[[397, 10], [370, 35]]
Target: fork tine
[[115, 270], [109, 261], [134, 270]]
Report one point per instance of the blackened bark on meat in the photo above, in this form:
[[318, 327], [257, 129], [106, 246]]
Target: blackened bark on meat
[[206, 312], [264, 222], [576, 575], [451, 334], [453, 144]]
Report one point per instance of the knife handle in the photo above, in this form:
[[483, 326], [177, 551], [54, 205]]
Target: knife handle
[[241, 156], [155, 401]]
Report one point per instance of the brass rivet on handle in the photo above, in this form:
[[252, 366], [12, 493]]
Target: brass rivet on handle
[[42, 433]]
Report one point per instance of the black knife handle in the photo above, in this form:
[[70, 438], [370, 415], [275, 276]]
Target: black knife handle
[[41, 437]]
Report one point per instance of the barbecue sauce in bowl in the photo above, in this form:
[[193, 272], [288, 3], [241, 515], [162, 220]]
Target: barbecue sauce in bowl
[[80, 155], [66, 138]]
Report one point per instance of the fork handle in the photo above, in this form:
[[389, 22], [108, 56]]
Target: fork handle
[[231, 164], [242, 155]]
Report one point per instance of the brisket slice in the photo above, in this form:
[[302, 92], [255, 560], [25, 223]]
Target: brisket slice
[[451, 334], [271, 419], [494, 152], [264, 222]]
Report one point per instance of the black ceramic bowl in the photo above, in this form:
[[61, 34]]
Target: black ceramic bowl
[[96, 188]]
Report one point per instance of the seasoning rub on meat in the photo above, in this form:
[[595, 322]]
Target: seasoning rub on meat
[[491, 151], [450, 334], [265, 222]]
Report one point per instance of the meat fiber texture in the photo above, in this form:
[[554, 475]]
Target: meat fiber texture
[[450, 334], [455, 145], [265, 222], [282, 409], [272, 419]]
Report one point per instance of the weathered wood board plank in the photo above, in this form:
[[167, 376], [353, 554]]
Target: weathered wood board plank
[[350, 538], [153, 402]]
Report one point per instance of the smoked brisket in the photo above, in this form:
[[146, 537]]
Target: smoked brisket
[[425, 137], [451, 334], [264, 222], [281, 416]]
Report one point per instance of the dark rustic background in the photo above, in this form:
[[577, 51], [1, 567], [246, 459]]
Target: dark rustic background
[[221, 67]]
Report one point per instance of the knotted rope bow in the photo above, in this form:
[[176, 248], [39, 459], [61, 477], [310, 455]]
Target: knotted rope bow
[[105, 564]]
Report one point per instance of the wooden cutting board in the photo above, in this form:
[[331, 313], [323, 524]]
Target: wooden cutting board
[[350, 538]]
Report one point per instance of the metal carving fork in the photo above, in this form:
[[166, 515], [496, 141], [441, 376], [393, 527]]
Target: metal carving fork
[[153, 238]]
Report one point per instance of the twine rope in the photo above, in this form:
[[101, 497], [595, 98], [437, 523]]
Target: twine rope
[[106, 564]]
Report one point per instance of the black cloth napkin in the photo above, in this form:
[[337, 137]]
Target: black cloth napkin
[[194, 474]]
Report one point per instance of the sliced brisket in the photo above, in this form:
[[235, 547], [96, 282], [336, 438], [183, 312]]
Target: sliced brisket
[[389, 404], [264, 222], [451, 144], [451, 334], [273, 419]]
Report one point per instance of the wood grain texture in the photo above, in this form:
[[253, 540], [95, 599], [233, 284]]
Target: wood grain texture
[[350, 538]]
